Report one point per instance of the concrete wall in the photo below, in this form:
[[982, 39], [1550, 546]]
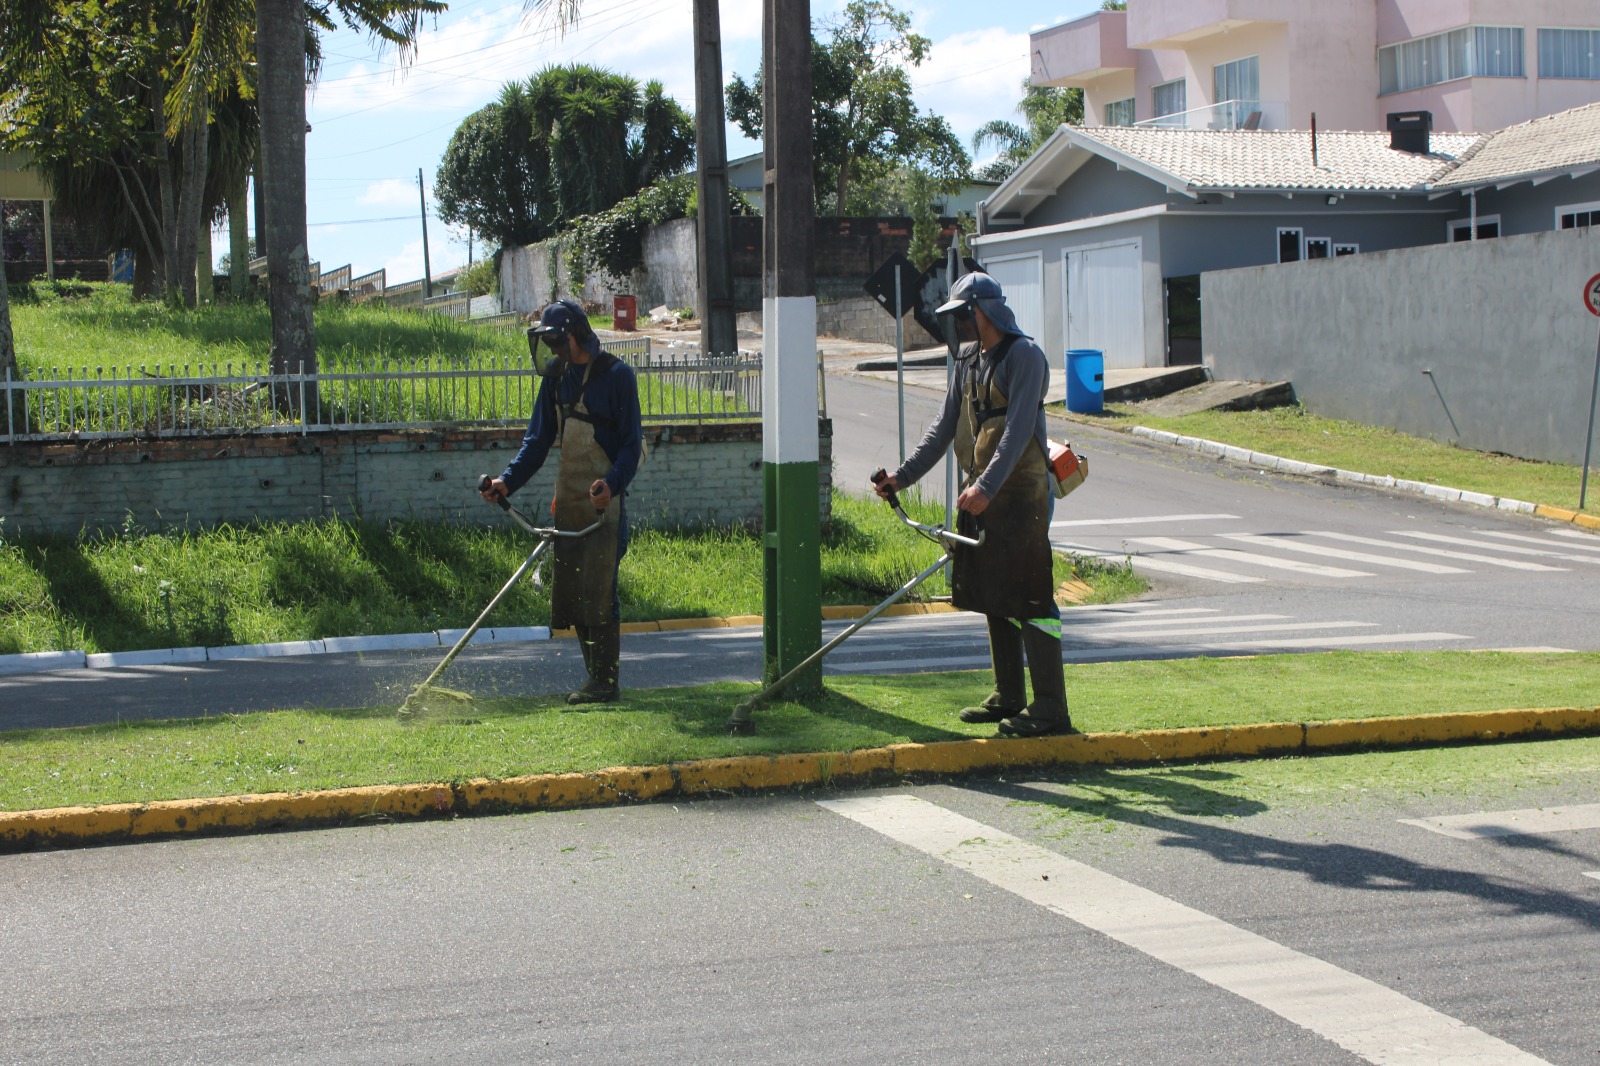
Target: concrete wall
[[861, 318], [1499, 323], [693, 475]]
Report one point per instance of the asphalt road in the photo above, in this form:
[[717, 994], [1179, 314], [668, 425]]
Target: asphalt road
[[1277, 920]]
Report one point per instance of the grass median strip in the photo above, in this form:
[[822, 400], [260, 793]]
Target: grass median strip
[[1294, 433], [292, 751]]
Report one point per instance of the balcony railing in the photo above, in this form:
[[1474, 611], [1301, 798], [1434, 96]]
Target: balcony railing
[[1228, 115]]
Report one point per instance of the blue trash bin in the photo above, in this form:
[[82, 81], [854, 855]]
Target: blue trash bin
[[1086, 373]]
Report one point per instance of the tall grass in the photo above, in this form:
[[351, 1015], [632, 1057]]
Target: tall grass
[[132, 589]]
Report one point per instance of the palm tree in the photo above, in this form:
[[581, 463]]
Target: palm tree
[[283, 30], [1043, 110]]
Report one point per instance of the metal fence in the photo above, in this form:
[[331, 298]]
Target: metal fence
[[230, 399]]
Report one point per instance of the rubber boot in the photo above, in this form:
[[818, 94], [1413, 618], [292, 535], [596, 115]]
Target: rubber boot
[[1010, 694], [1047, 714], [604, 662]]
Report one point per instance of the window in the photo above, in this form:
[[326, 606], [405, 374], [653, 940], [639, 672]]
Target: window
[[1569, 54], [1461, 228], [1319, 248], [1289, 245], [1578, 216], [1118, 113], [1169, 98], [1239, 80], [1470, 52], [1340, 250]]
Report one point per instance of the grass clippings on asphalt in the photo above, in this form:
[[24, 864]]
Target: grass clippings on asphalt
[[498, 738]]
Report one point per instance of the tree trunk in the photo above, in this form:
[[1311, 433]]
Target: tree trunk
[[191, 201], [204, 266], [844, 186], [239, 238], [281, 65]]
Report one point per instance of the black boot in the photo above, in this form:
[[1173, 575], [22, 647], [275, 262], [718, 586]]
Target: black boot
[[604, 662], [1010, 693], [1047, 714]]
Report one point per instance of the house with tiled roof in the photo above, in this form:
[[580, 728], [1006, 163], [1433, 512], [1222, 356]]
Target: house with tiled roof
[[1100, 237]]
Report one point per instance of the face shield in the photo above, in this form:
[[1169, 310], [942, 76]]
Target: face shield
[[550, 355]]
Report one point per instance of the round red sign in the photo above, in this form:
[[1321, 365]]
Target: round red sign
[[1591, 295]]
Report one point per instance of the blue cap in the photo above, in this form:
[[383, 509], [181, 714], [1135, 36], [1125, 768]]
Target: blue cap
[[560, 317]]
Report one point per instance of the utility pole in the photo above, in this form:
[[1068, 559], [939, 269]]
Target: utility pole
[[791, 513], [427, 271], [714, 253]]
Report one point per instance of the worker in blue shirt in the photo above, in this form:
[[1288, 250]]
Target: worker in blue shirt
[[589, 402]]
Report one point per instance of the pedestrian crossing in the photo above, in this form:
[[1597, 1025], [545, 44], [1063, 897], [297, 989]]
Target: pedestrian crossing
[[1322, 556], [1143, 630]]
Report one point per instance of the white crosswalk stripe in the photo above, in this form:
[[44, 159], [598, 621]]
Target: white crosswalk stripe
[[1162, 565], [1448, 553], [1443, 538], [1147, 520], [1365, 1018], [1247, 558], [1287, 542], [1547, 542]]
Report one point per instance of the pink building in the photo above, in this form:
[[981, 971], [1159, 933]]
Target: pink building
[[1231, 64]]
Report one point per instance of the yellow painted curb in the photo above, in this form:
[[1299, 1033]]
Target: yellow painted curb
[[1587, 521], [640, 627], [1560, 514], [671, 625], [71, 826]]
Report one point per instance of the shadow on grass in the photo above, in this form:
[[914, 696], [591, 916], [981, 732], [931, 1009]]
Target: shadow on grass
[[1169, 802]]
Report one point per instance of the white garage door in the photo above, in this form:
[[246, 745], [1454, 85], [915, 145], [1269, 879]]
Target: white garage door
[[1021, 278], [1105, 303]]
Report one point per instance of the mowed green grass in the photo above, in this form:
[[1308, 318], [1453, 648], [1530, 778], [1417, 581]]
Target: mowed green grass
[[495, 737], [133, 589], [1294, 433]]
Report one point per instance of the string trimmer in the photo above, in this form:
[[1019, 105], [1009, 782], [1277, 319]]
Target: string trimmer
[[427, 698], [740, 722]]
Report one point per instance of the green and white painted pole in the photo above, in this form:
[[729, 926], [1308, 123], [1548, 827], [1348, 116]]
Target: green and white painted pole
[[791, 512]]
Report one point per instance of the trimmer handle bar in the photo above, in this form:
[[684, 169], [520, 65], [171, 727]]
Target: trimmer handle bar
[[542, 532]]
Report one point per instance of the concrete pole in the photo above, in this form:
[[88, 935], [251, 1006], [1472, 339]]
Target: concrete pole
[[791, 512], [714, 251]]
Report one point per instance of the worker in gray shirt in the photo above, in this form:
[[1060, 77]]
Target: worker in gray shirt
[[994, 416]]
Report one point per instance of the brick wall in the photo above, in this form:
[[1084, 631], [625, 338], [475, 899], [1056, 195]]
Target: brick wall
[[693, 475]]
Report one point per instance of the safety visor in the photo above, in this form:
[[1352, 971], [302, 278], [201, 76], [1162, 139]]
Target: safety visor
[[544, 354], [960, 308]]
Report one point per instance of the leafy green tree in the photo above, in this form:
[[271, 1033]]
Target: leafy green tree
[[865, 123], [1043, 110], [569, 142]]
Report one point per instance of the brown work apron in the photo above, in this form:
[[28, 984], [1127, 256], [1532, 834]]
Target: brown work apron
[[1009, 575], [585, 567]]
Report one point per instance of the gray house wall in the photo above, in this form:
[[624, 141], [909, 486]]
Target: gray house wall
[[1525, 208], [1499, 323]]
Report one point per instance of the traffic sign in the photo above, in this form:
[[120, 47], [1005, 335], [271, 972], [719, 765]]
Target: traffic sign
[[1591, 295], [881, 285]]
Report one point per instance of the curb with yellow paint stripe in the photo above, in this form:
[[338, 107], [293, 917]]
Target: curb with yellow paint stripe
[[117, 823]]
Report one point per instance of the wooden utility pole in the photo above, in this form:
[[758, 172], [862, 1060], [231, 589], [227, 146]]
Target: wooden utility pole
[[427, 271], [714, 253]]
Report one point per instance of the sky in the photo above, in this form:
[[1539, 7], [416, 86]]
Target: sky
[[375, 123]]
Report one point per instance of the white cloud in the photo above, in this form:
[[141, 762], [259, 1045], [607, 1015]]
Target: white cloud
[[390, 192], [973, 77]]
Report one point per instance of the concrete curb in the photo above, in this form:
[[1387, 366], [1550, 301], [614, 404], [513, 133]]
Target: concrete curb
[[34, 662], [129, 822], [1420, 488]]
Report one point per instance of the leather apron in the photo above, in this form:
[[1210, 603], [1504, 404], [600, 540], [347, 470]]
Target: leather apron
[[585, 567], [1010, 574]]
